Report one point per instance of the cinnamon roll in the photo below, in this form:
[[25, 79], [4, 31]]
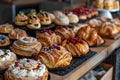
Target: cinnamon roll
[[26, 69], [4, 41], [54, 56], [6, 58], [26, 46]]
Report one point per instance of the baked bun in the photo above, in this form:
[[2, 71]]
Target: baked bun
[[73, 18], [45, 19], [6, 28], [4, 41], [26, 46], [108, 29], [21, 19], [26, 69], [17, 33], [55, 56], [76, 46], [64, 32], [48, 38], [61, 18], [6, 58], [52, 17], [90, 36]]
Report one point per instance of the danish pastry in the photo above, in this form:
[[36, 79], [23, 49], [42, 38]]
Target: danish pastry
[[4, 41]]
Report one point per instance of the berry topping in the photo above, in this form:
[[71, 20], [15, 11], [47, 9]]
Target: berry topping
[[28, 60], [16, 64], [74, 40], [60, 27], [48, 31]]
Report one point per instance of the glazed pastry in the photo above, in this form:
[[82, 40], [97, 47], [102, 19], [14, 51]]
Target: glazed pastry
[[4, 40], [103, 19], [76, 46], [64, 32], [72, 18], [108, 29], [60, 18], [90, 36], [33, 20], [55, 57], [116, 21], [26, 69], [21, 19], [48, 38], [51, 16], [17, 33], [6, 28], [82, 17], [26, 46], [45, 19], [6, 58]]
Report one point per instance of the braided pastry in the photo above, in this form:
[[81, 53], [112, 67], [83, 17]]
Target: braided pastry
[[26, 46], [90, 36], [76, 46], [6, 58], [65, 32], [55, 56], [48, 38], [26, 69], [4, 40]]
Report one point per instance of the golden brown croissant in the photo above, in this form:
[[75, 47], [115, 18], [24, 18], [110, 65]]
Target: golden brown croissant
[[76, 46], [26, 69], [65, 32], [26, 46], [48, 38], [90, 36], [55, 56]]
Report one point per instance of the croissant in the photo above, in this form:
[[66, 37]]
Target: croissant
[[76, 46], [90, 36], [55, 56], [26, 69], [48, 38], [65, 32]]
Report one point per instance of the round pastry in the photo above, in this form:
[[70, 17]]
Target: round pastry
[[21, 19], [6, 28], [55, 56], [4, 41], [90, 36], [44, 18], [76, 46], [51, 16], [48, 38], [26, 69], [64, 32], [6, 58], [26, 46], [72, 18], [17, 33], [60, 18]]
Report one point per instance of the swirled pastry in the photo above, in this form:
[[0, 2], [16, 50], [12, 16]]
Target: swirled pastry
[[55, 56], [90, 36], [26, 46], [17, 33], [48, 38], [64, 32], [44, 18], [6, 28], [26, 69], [76, 46], [6, 58], [21, 19], [4, 40], [60, 18]]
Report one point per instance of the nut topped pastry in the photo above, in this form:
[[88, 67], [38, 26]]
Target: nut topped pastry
[[6, 58], [21, 19], [76, 46], [4, 40], [48, 38], [26, 46], [26, 69], [55, 56], [44, 17]]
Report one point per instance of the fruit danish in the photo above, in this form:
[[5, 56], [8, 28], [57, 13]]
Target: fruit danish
[[55, 57], [4, 41], [26, 69]]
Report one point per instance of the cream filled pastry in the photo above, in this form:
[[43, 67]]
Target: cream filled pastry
[[26, 69]]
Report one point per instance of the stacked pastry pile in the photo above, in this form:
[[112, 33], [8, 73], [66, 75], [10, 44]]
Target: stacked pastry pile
[[106, 4]]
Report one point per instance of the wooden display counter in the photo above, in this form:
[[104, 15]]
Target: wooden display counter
[[102, 53]]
